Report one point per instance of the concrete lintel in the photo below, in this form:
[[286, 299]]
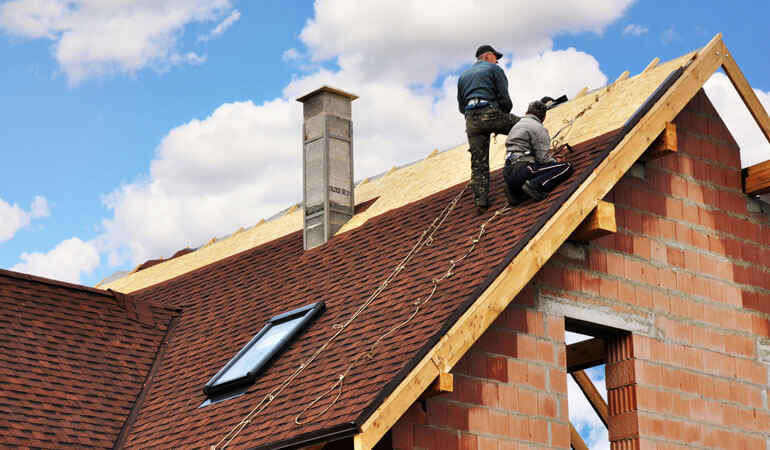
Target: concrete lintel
[[599, 315]]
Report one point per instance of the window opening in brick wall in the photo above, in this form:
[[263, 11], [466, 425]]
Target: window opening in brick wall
[[587, 397], [582, 416], [243, 369]]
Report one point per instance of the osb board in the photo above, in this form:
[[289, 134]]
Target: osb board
[[428, 176]]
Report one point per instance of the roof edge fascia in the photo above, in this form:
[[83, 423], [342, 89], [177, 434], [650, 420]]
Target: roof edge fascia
[[470, 326]]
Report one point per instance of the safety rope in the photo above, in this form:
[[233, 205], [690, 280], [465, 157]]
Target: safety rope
[[369, 355], [425, 239], [555, 141]]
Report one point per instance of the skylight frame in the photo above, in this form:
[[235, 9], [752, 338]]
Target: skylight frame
[[216, 390]]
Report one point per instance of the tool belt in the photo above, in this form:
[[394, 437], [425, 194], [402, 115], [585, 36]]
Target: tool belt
[[476, 103]]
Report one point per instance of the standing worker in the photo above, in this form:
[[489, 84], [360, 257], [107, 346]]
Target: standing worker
[[482, 95], [530, 168]]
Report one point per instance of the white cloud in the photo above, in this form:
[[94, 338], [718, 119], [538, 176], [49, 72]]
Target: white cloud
[[67, 261], [13, 218], [411, 41], [94, 38], [208, 178], [243, 162], [754, 145], [634, 30], [223, 25]]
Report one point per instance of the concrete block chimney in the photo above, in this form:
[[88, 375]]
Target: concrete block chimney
[[327, 163]]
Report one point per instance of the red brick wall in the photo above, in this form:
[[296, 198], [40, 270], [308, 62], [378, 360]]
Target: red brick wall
[[691, 257], [510, 390]]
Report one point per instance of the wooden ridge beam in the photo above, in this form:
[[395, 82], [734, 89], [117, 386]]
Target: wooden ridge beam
[[600, 222], [593, 395], [444, 383], [575, 441], [584, 354], [756, 179], [663, 145], [469, 327]]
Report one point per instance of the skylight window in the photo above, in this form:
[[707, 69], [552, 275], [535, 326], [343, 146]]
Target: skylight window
[[242, 371]]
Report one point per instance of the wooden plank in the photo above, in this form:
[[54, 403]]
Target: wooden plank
[[663, 145], [756, 179], [444, 383], [622, 76], [593, 395], [651, 65], [746, 93], [600, 222], [503, 289], [582, 92], [575, 441], [585, 354]]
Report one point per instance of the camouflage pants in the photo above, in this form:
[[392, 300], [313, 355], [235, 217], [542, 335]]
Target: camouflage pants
[[479, 124]]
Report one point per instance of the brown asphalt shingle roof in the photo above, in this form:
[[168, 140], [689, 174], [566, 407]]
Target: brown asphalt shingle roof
[[73, 361], [226, 303]]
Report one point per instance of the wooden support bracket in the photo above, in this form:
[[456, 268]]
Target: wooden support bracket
[[600, 222], [756, 179], [593, 396], [663, 145], [584, 354], [575, 441], [444, 383]]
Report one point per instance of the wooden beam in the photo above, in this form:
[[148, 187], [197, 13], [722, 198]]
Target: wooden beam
[[502, 290], [651, 65], [622, 76], [444, 383], [663, 145], [756, 179], [593, 395], [600, 222], [746, 92], [585, 354], [575, 441], [582, 92]]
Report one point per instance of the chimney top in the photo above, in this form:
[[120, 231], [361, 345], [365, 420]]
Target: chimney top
[[348, 95]]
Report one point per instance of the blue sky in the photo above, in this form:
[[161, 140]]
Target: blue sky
[[132, 129], [126, 127]]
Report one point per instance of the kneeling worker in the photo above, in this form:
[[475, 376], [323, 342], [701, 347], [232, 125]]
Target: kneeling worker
[[530, 169]]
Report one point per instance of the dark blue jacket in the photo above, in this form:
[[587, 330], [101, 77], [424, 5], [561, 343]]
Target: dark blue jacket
[[486, 81]]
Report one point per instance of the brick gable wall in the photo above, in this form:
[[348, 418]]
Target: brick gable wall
[[690, 264]]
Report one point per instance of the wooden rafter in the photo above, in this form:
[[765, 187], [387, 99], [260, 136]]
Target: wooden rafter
[[444, 383], [746, 92], [575, 440], [585, 354], [489, 305], [592, 394], [756, 179], [651, 65], [663, 145], [600, 222]]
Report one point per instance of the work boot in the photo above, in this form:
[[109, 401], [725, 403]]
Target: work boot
[[535, 192], [481, 209], [513, 199]]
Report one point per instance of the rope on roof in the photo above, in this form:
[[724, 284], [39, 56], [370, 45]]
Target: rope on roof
[[425, 239]]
